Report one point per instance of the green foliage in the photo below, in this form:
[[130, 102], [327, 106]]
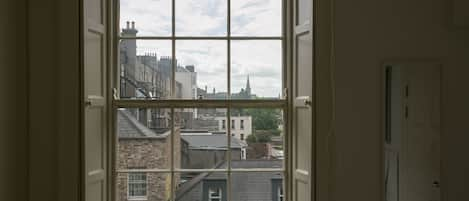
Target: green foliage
[[251, 139], [259, 138], [262, 119], [264, 122]]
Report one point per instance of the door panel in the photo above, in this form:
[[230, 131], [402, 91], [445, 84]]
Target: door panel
[[412, 142], [302, 91], [95, 97], [421, 164]]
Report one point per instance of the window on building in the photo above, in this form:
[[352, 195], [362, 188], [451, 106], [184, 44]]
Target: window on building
[[137, 186], [241, 136], [186, 68], [280, 193], [215, 194], [277, 190]]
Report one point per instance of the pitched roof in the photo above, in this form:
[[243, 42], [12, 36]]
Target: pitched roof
[[130, 127], [245, 186], [212, 142]]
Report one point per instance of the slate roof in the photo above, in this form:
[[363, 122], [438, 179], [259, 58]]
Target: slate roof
[[245, 186], [213, 142], [130, 127]]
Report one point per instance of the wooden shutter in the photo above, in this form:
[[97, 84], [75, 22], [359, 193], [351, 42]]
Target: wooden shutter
[[303, 105], [94, 47]]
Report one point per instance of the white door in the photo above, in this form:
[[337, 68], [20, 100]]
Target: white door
[[420, 154], [302, 112], [94, 95]]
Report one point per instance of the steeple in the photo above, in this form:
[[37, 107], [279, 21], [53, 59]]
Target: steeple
[[248, 87]]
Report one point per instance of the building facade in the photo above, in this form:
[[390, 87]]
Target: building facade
[[241, 126]]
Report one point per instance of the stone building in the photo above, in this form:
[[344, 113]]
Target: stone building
[[140, 147], [241, 126], [245, 186], [206, 151]]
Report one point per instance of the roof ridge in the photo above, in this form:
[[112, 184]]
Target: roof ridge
[[137, 125]]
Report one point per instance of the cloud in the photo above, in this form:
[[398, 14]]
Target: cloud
[[261, 60]]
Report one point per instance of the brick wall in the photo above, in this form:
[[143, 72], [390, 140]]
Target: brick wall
[[147, 153]]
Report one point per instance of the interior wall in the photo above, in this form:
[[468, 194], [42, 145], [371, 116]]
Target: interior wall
[[54, 97], [13, 132], [368, 33]]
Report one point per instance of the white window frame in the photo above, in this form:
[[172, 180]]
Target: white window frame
[[138, 197], [280, 195], [285, 38], [220, 193]]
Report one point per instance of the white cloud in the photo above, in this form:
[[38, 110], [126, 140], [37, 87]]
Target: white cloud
[[259, 59]]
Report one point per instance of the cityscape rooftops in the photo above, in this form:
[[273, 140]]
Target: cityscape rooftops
[[212, 142], [130, 127]]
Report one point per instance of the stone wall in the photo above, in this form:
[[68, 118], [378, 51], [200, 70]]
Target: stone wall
[[147, 153]]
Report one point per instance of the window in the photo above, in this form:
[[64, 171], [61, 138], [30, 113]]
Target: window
[[185, 69], [280, 194], [215, 194], [277, 190], [137, 186], [233, 124]]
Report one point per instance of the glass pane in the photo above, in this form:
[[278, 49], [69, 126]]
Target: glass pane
[[262, 130], [151, 18], [256, 18], [202, 69], [254, 186], [256, 69], [143, 138], [197, 186], [203, 143], [304, 12], [201, 17], [145, 69], [157, 187]]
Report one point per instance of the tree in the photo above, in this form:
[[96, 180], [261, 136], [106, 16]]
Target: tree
[[259, 138], [264, 119]]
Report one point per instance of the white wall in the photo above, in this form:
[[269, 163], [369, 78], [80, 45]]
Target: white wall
[[367, 33]]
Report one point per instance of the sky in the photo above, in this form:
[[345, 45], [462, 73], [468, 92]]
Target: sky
[[260, 59]]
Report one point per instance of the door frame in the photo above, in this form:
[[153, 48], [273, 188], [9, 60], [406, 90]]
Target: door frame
[[382, 71]]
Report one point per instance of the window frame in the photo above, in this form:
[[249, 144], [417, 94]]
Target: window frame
[[132, 197], [282, 103], [219, 191]]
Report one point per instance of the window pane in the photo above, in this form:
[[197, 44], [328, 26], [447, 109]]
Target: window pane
[[201, 17], [145, 69], [256, 69], [202, 69], [256, 18], [152, 18], [157, 187], [197, 186], [263, 133], [143, 138], [254, 186], [203, 141]]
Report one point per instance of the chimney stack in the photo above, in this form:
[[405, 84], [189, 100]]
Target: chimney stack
[[133, 25], [128, 25]]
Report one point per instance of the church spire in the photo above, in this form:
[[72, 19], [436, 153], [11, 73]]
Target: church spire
[[248, 87]]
